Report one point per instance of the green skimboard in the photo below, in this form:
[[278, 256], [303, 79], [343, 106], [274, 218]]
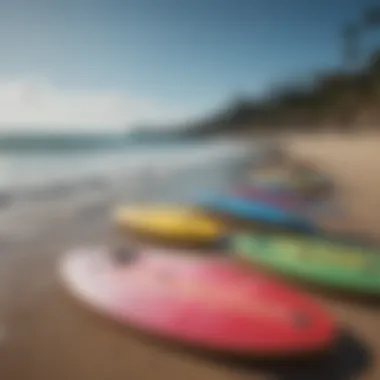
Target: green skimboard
[[329, 263]]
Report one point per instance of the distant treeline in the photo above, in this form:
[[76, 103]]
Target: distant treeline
[[349, 101]]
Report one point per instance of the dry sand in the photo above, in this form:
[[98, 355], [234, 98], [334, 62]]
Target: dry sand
[[44, 335]]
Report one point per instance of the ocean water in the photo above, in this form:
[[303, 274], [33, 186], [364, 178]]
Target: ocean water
[[43, 174]]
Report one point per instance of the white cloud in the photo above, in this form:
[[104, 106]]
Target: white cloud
[[37, 104]]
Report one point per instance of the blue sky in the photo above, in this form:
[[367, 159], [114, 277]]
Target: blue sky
[[187, 55]]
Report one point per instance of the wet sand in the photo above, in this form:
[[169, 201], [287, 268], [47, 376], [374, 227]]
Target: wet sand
[[45, 335]]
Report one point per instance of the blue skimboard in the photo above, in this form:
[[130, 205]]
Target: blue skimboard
[[257, 212]]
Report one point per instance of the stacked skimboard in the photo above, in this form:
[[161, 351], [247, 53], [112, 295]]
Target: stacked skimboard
[[212, 301]]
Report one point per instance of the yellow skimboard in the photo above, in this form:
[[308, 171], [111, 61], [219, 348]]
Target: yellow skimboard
[[174, 223]]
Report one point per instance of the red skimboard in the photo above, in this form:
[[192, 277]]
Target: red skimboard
[[208, 303]]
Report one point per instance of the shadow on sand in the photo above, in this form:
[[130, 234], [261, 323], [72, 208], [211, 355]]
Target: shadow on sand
[[347, 360]]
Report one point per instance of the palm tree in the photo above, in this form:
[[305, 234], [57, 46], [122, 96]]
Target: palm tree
[[351, 33], [371, 17]]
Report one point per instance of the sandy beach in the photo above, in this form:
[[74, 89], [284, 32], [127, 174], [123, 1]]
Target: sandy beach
[[44, 335]]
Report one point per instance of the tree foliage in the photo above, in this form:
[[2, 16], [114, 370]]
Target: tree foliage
[[333, 98]]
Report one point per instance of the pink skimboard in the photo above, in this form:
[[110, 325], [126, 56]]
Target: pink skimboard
[[208, 303]]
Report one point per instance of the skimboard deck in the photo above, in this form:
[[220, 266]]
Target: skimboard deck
[[330, 263], [207, 303], [287, 202], [257, 194], [257, 212], [169, 222]]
